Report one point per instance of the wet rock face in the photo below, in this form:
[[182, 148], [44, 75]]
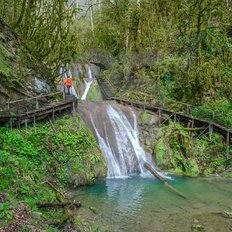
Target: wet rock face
[[149, 128], [11, 86], [38, 85], [116, 129], [159, 143]]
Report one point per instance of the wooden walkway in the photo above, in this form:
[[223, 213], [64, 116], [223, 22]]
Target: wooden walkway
[[16, 118]]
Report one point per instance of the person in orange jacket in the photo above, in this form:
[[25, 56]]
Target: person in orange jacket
[[68, 83]]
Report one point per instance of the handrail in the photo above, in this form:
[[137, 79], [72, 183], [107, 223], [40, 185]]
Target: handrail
[[188, 106], [32, 98]]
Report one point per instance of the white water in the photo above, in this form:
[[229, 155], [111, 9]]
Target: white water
[[88, 84], [114, 169], [130, 156]]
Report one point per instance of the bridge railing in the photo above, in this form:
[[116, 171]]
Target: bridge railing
[[181, 107], [196, 110], [36, 100], [177, 106]]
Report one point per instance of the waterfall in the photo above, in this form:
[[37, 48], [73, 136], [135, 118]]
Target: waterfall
[[131, 154], [116, 129], [88, 83]]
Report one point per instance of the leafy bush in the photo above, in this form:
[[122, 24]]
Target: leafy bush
[[222, 112]]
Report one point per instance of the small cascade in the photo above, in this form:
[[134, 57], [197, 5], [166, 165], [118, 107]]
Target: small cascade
[[116, 129], [88, 83]]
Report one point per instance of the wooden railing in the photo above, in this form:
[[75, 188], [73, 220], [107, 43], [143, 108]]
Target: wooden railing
[[36, 99]]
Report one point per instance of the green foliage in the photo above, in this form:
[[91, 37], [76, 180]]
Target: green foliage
[[194, 55], [5, 68], [44, 31], [5, 211], [181, 153], [29, 158], [222, 112]]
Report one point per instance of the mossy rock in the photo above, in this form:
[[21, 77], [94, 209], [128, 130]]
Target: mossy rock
[[93, 209], [208, 171], [197, 227], [94, 93], [145, 117], [192, 168], [162, 159], [228, 175]]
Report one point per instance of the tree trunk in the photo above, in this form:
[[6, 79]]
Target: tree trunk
[[160, 178]]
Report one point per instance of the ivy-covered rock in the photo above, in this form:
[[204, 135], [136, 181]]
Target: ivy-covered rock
[[177, 150]]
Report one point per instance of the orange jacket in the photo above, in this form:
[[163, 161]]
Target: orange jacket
[[68, 81]]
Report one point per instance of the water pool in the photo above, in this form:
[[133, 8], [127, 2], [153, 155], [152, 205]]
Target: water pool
[[139, 204]]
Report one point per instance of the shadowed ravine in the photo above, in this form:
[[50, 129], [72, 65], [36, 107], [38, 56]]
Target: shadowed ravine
[[116, 130]]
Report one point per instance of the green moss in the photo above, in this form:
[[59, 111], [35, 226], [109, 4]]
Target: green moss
[[93, 209], [145, 117], [5, 68], [181, 153], [208, 171], [192, 168], [94, 93], [162, 159], [1, 36]]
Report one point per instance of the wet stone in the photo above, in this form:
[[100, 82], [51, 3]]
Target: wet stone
[[197, 227], [227, 214]]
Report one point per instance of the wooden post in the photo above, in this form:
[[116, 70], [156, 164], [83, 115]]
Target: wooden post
[[25, 122], [192, 125], [34, 123], [74, 108], [36, 103], [74, 111], [187, 109], [213, 116], [210, 131], [64, 94], [53, 114], [159, 116], [227, 145], [174, 118]]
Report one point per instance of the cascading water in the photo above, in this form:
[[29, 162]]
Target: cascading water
[[116, 129], [88, 84]]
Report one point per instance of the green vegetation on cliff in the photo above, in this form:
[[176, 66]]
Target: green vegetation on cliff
[[180, 152], [33, 161], [185, 150]]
